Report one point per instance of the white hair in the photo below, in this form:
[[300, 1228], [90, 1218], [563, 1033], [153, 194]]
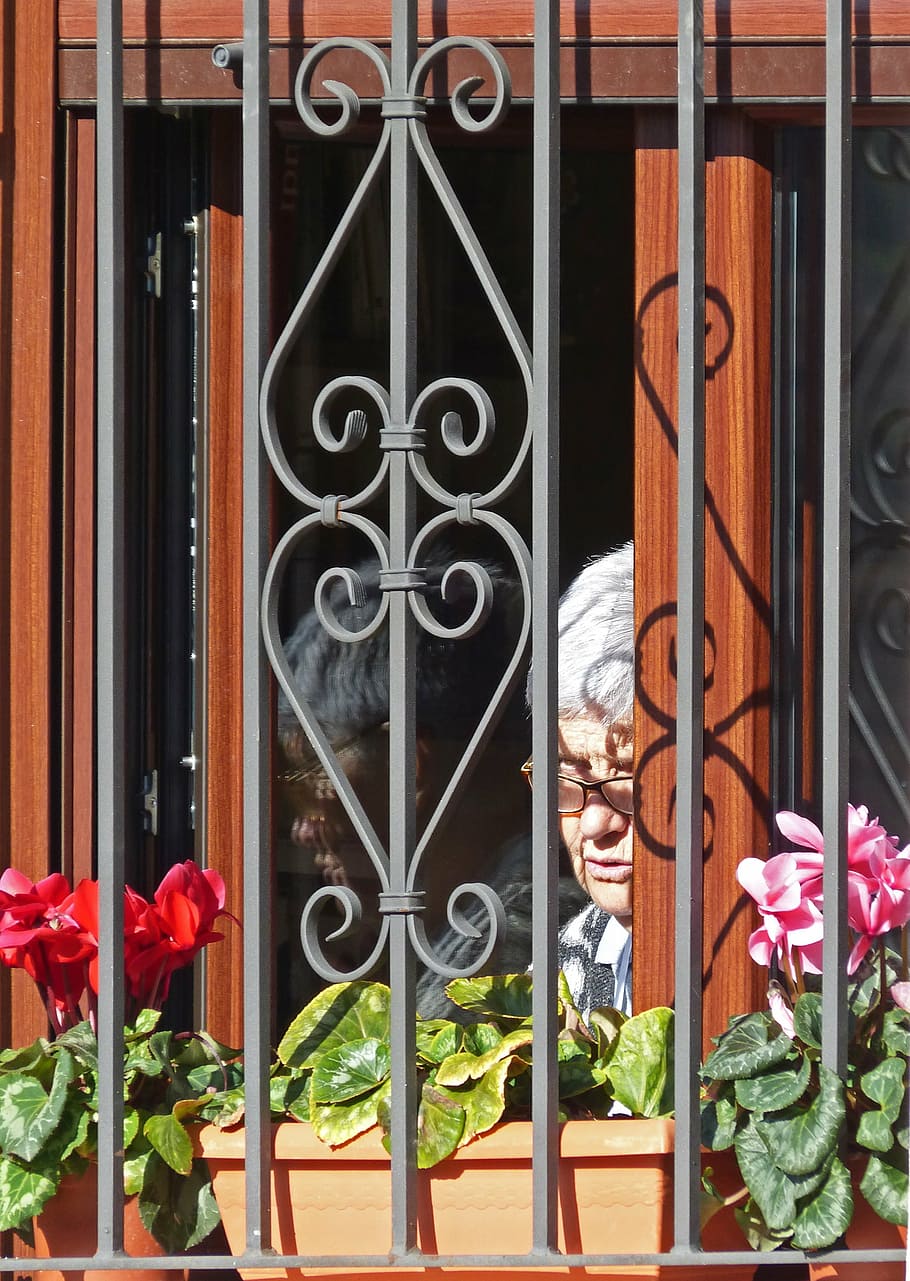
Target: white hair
[[597, 640]]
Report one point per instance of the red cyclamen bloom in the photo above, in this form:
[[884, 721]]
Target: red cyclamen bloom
[[53, 935]]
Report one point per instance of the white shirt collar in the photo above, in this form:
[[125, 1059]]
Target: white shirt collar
[[615, 948]]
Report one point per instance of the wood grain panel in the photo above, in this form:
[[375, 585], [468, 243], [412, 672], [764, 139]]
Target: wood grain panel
[[738, 552], [224, 631], [78, 498], [219, 20], [26, 402], [615, 70]]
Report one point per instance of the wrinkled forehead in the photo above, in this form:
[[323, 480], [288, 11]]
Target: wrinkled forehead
[[586, 742]]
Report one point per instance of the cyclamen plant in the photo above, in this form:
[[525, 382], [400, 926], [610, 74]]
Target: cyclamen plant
[[767, 1093], [51, 932], [49, 1090]]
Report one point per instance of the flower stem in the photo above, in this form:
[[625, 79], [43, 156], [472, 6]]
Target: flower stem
[[799, 981]]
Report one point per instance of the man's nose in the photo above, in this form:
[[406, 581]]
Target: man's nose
[[598, 818]]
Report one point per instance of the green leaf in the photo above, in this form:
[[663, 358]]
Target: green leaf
[[745, 1048], [225, 1109], [604, 1025], [826, 1216], [896, 1032], [337, 1123], [437, 1039], [171, 1141], [131, 1125], [463, 1067], [800, 1138], [28, 1115], [884, 1085], [807, 1019], [772, 1193], [343, 1012], [34, 1060], [776, 1089], [483, 1101], [74, 1130], [440, 1125], [178, 1210], [874, 1132], [503, 995], [350, 1071], [579, 1075], [884, 1185], [146, 1022], [641, 1067], [565, 995], [718, 1122], [480, 1038], [135, 1160], [756, 1231], [23, 1193], [295, 1097], [82, 1043]]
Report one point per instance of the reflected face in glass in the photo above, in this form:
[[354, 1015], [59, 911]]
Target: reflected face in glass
[[320, 822], [599, 837]]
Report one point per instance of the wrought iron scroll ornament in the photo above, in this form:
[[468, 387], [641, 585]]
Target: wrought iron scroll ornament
[[402, 108]]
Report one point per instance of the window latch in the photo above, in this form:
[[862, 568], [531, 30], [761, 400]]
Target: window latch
[[153, 266], [150, 803]]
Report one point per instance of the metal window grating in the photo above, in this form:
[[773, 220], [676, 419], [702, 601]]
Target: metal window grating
[[406, 149]]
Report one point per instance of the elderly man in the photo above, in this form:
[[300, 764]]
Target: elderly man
[[596, 690], [595, 698]]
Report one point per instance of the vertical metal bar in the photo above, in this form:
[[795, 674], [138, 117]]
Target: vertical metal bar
[[110, 629], [835, 525], [402, 647], [545, 543], [257, 944], [691, 615]]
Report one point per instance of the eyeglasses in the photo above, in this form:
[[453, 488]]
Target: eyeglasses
[[572, 793]]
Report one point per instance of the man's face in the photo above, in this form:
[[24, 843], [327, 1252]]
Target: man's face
[[599, 839]]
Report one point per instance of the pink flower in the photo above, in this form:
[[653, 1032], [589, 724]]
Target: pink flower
[[790, 917], [788, 890], [781, 1010]]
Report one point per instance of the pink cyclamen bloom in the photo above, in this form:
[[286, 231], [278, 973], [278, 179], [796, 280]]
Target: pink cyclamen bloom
[[790, 918], [788, 890], [781, 1009]]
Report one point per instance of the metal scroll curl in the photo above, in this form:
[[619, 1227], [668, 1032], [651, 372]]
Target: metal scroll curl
[[346, 97], [488, 921], [885, 466], [312, 943], [464, 90]]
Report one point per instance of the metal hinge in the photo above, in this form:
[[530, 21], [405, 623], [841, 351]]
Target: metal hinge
[[150, 802], [153, 266]]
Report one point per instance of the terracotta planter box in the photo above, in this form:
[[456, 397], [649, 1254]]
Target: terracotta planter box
[[67, 1227], [614, 1187]]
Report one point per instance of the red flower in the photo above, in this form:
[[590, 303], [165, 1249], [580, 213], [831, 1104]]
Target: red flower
[[40, 934], [52, 934]]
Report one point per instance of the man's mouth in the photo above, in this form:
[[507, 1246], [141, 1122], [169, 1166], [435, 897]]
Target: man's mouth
[[614, 872]]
